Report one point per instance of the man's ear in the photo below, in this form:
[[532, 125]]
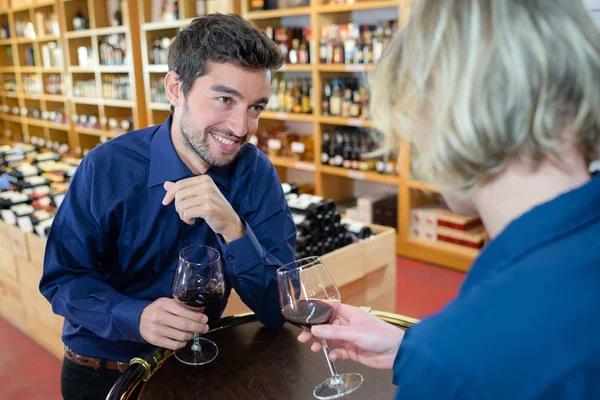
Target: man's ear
[[173, 89]]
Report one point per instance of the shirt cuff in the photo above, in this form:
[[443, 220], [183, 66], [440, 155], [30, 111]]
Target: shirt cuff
[[127, 317], [243, 253]]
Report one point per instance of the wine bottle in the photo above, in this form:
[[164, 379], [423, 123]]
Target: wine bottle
[[357, 229]]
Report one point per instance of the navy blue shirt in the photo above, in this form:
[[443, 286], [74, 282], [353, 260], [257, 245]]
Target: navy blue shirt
[[526, 323], [113, 247]]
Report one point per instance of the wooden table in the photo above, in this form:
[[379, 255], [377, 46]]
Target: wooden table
[[258, 363]]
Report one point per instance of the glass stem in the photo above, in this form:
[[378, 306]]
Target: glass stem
[[335, 377], [196, 346]]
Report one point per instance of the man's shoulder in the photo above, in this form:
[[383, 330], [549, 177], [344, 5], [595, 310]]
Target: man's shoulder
[[116, 165]]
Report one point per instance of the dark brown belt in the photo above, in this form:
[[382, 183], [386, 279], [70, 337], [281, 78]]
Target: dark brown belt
[[95, 363]]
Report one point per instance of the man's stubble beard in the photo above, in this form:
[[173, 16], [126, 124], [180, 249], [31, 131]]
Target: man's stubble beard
[[198, 143]]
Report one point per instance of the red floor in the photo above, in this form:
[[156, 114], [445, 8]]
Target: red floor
[[28, 372]]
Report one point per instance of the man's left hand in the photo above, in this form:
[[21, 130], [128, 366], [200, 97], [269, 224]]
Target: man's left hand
[[199, 197]]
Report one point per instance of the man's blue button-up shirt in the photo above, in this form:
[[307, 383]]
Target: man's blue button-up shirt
[[526, 323], [113, 246]]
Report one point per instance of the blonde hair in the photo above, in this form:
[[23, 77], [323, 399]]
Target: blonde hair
[[496, 80]]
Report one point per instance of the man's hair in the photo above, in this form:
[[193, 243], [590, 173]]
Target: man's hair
[[220, 38], [498, 80]]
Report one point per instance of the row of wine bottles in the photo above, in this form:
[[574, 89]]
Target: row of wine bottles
[[319, 226]]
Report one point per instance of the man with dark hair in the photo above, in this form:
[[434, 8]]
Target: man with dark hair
[[138, 200]]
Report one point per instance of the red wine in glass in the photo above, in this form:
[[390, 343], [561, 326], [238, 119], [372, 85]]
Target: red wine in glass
[[308, 296], [198, 282], [196, 298], [306, 313]]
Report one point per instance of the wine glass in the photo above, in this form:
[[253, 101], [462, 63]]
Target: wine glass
[[198, 282], [308, 296]]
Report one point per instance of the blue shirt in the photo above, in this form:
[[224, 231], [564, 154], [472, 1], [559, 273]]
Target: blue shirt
[[113, 247], [526, 323]]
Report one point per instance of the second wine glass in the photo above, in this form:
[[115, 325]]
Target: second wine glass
[[198, 282], [308, 296]]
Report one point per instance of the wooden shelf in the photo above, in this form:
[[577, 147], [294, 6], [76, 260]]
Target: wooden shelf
[[446, 254], [78, 69], [424, 186], [158, 68], [95, 132], [48, 38], [296, 68], [359, 5], [291, 163], [345, 67], [79, 34], [5, 42], [279, 13], [361, 175], [13, 95], [117, 103], [54, 97], [50, 70], [55, 125], [13, 118], [160, 106], [365, 123], [31, 70], [109, 30], [86, 100], [21, 40], [37, 4], [162, 25], [282, 116], [7, 69], [33, 96], [114, 68]]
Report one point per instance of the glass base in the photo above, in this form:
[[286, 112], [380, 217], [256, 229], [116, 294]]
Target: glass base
[[342, 385], [208, 352]]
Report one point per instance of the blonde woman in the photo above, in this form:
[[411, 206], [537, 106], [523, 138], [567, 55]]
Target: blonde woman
[[501, 98]]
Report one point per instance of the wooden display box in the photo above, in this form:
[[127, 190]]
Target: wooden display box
[[365, 273]]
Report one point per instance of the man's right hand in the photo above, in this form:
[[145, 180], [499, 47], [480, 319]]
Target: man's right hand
[[169, 324]]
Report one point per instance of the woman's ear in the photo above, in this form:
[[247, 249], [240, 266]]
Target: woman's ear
[[173, 89]]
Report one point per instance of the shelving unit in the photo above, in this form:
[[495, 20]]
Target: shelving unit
[[338, 183], [79, 138], [141, 29]]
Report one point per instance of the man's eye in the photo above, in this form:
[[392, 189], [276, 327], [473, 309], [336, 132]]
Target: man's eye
[[225, 100], [258, 109]]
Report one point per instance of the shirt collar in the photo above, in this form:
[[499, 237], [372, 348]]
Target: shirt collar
[[542, 224], [165, 164]]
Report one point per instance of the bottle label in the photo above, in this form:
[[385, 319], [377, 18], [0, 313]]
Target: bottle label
[[324, 158], [338, 160], [297, 147]]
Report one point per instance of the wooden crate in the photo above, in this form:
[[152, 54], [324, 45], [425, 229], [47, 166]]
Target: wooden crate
[[11, 304], [18, 241], [37, 248], [365, 273], [29, 273]]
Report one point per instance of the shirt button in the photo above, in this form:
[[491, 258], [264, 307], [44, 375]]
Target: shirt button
[[230, 257]]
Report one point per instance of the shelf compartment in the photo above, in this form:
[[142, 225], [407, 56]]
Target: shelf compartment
[[283, 116], [359, 122], [279, 13], [359, 5], [368, 176], [291, 163]]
